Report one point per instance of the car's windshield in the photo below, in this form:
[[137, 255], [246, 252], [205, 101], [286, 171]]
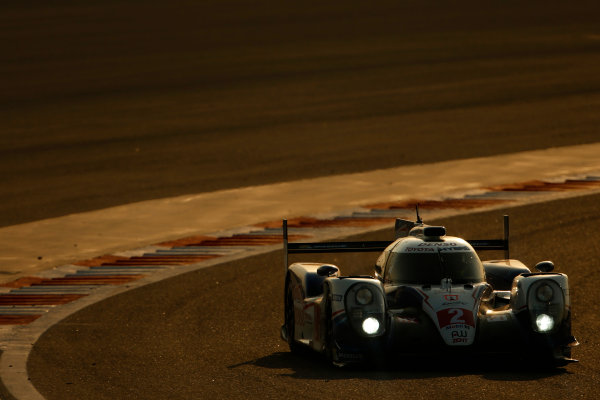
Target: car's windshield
[[432, 267]]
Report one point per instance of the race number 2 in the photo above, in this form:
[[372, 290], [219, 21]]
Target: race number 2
[[458, 312], [455, 316]]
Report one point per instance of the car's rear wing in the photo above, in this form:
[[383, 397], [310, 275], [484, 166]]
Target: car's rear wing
[[378, 246]]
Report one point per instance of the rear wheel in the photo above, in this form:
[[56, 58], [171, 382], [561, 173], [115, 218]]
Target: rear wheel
[[290, 321]]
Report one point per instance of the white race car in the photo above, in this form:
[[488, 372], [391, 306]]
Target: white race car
[[430, 294]]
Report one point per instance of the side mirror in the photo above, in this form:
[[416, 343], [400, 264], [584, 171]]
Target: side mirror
[[545, 266], [327, 270]]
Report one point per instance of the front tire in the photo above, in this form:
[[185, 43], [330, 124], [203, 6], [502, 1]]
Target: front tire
[[329, 346]]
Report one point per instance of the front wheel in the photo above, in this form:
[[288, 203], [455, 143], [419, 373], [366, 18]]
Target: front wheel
[[329, 346]]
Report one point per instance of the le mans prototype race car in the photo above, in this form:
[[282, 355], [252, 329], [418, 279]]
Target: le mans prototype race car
[[431, 294]]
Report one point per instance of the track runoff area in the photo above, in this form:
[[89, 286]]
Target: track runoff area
[[198, 231]]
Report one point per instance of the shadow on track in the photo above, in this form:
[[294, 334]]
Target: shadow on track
[[314, 366]]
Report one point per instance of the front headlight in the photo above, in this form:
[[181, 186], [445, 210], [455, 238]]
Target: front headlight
[[364, 296], [544, 293], [546, 303], [370, 326], [544, 322], [365, 308]]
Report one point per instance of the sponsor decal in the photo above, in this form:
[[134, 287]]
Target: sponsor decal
[[419, 250], [433, 247], [337, 297], [459, 340], [451, 297], [458, 326], [459, 334], [437, 244]]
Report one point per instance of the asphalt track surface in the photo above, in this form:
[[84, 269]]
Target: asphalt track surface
[[214, 333], [105, 103], [109, 102]]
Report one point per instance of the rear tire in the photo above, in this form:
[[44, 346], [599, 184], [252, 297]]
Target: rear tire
[[290, 321]]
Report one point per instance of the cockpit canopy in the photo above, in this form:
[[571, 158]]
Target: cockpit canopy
[[417, 261]]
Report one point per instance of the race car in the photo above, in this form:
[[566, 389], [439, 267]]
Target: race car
[[430, 294]]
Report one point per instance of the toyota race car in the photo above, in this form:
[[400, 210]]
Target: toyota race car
[[430, 294]]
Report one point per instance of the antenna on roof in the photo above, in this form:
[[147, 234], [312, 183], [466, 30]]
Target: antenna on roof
[[419, 220]]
